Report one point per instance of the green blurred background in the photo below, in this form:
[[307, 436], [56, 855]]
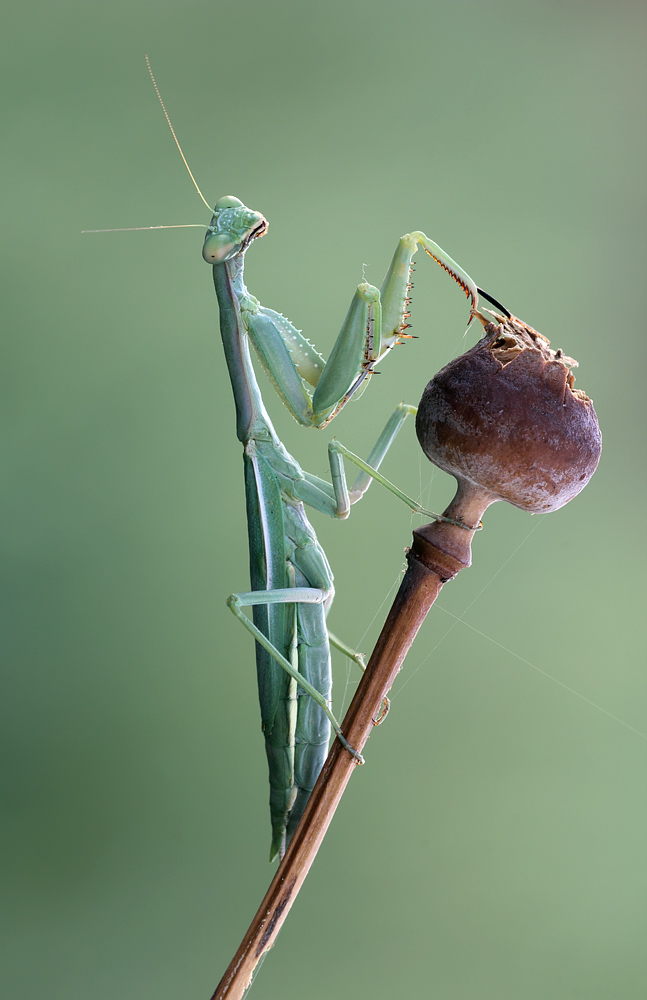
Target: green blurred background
[[493, 846]]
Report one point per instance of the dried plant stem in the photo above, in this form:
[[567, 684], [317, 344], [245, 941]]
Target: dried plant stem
[[438, 552]]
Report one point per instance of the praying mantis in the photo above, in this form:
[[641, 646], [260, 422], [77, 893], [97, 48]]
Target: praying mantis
[[291, 579], [292, 583]]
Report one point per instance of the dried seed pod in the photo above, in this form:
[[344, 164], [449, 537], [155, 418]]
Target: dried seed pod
[[507, 422]]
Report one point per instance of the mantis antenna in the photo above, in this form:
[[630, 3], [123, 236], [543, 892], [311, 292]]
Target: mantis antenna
[[137, 229], [159, 97], [186, 225]]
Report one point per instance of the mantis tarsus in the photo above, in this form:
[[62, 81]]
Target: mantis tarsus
[[292, 584]]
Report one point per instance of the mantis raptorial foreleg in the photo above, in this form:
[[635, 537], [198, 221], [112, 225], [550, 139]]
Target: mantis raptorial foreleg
[[375, 322]]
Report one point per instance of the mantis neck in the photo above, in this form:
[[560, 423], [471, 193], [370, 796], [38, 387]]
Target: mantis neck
[[252, 419]]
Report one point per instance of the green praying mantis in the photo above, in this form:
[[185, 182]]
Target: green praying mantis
[[291, 579], [292, 583]]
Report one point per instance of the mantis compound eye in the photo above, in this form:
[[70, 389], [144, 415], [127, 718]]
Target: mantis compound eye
[[228, 202], [218, 247]]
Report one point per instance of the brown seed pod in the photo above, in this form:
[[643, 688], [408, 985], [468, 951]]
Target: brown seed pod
[[505, 419]]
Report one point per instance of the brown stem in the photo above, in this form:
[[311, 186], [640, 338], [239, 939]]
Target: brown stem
[[438, 552]]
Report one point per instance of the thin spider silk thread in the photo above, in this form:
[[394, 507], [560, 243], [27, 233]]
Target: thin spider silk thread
[[460, 619]]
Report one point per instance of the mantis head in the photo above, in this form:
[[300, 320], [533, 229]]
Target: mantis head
[[232, 229]]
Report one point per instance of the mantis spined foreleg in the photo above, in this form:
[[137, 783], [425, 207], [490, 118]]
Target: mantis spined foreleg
[[375, 322]]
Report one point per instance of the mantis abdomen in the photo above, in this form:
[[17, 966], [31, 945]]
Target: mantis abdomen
[[285, 553]]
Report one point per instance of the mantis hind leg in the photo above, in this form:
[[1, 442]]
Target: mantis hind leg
[[359, 659], [348, 651], [296, 742], [288, 595]]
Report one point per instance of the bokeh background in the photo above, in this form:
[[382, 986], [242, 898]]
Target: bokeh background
[[493, 846]]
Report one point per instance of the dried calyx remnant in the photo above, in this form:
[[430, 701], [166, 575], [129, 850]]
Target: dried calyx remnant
[[506, 421]]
